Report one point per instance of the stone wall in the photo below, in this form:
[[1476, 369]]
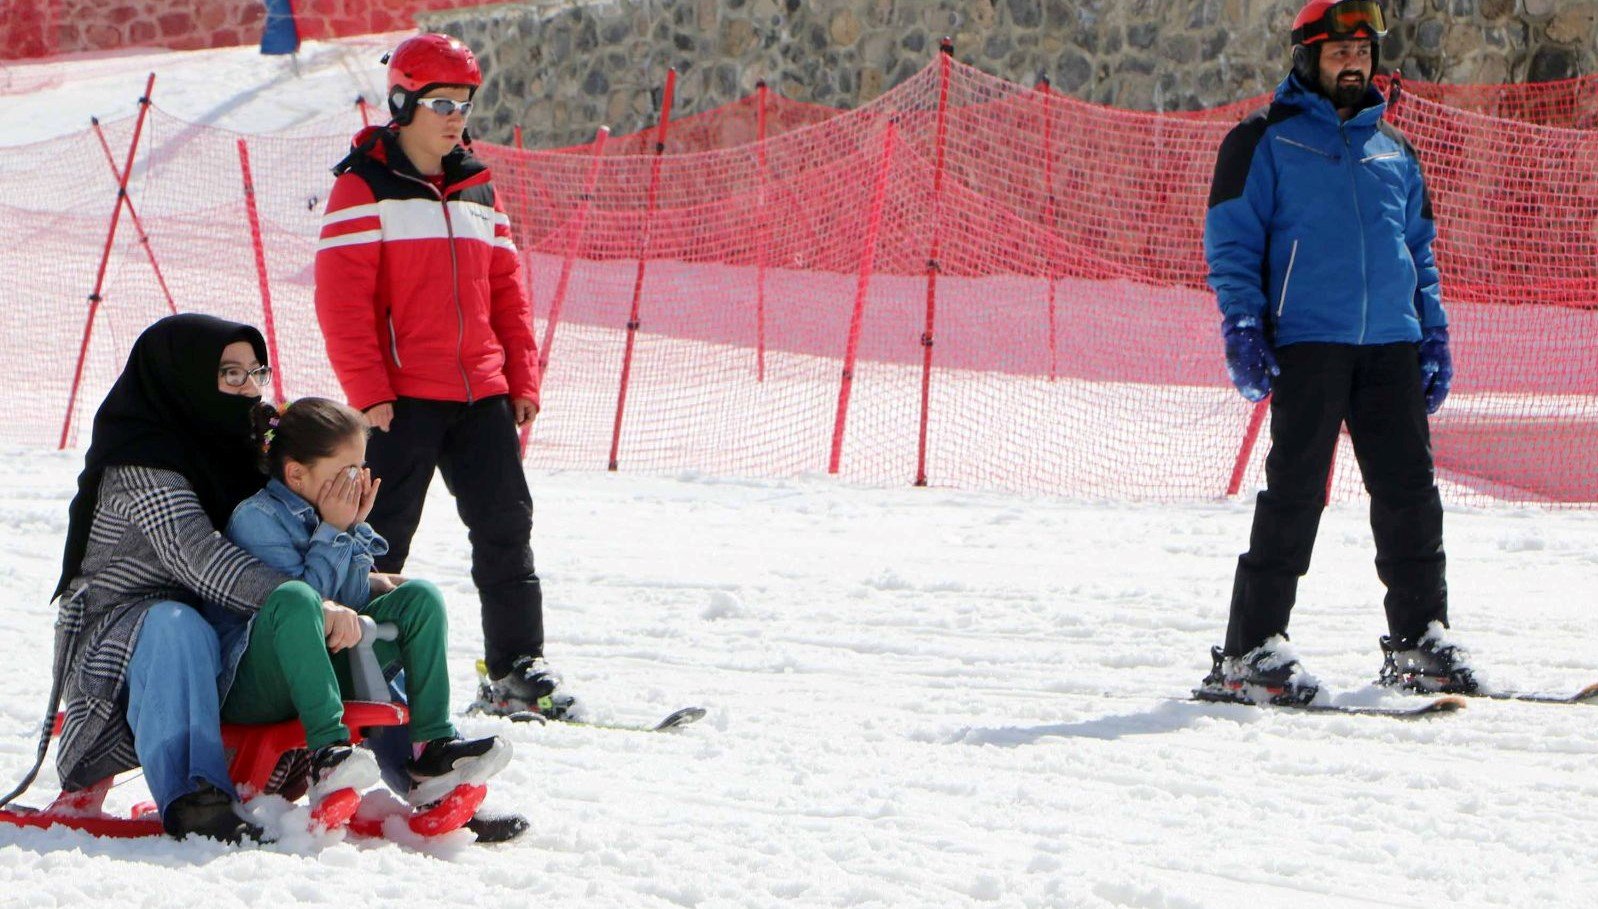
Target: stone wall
[[562, 68]]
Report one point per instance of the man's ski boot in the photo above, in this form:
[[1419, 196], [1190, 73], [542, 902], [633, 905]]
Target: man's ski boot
[[1268, 674], [531, 691], [1430, 665]]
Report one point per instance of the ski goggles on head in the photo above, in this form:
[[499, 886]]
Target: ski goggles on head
[[445, 106], [1343, 21]]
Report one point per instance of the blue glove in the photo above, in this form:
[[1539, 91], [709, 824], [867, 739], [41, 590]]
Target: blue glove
[[1249, 360], [1436, 366]]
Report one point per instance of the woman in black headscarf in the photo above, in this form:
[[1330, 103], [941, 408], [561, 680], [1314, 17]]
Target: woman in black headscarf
[[138, 667]]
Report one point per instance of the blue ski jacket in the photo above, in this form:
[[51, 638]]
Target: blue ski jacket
[[1320, 228]]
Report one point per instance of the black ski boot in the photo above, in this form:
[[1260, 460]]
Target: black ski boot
[[1268, 674], [531, 686], [1426, 666], [208, 812], [492, 827], [447, 763], [341, 766]]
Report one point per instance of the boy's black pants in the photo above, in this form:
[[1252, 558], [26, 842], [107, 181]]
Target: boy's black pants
[[1377, 390], [475, 447]]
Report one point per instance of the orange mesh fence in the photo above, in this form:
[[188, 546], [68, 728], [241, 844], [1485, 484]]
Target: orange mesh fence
[[762, 115], [966, 281], [1566, 103]]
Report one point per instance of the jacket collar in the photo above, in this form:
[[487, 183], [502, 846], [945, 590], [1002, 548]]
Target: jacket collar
[[1294, 93], [380, 145], [296, 503]]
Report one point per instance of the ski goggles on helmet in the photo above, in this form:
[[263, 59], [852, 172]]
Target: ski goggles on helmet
[[445, 106], [1343, 21]]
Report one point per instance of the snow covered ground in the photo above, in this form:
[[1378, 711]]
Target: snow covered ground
[[917, 697], [924, 698]]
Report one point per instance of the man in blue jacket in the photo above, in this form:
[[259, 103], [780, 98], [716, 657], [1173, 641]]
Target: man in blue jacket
[[1319, 240]]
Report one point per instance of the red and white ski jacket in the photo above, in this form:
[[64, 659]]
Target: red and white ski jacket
[[418, 290]]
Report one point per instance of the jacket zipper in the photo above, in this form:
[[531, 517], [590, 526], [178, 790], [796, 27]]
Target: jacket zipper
[[393, 342], [455, 284], [1281, 303], [1308, 148], [1369, 158], [1364, 266]]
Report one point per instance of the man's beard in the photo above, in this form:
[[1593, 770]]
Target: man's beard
[[1348, 94]]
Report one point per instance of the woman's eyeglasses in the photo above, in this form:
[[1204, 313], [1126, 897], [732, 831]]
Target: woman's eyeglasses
[[446, 106], [236, 376]]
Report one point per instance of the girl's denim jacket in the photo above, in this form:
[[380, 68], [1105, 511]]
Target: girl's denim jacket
[[283, 530]]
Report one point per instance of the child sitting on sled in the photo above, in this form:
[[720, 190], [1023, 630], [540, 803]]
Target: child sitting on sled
[[290, 660]]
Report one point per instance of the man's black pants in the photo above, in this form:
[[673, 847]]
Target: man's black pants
[[475, 447], [1377, 391]]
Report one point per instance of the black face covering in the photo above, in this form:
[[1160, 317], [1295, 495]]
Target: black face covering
[[165, 411]]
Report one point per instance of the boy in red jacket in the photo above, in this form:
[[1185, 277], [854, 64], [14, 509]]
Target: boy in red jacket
[[419, 296]]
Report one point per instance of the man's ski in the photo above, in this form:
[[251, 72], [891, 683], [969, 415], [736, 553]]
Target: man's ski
[[1446, 704], [675, 720], [1584, 696], [562, 708]]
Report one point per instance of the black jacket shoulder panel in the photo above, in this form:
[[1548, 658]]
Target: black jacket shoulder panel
[[1237, 151]]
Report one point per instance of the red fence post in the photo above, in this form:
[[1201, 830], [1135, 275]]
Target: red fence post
[[138, 225], [105, 259], [1255, 419], [868, 258], [1051, 219], [578, 223], [643, 259], [362, 106], [764, 238], [260, 271], [945, 62]]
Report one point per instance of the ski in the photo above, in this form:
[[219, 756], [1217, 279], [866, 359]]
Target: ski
[[564, 708], [1438, 705], [1584, 696], [674, 720]]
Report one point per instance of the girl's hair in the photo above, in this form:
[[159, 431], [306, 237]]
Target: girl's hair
[[306, 431]]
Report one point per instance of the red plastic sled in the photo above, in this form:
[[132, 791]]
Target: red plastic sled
[[256, 751]]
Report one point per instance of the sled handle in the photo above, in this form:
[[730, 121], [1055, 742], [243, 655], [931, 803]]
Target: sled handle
[[365, 671]]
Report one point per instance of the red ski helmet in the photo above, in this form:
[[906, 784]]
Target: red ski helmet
[[423, 63], [1323, 20], [1334, 20]]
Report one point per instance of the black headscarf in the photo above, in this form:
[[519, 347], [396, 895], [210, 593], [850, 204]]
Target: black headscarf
[[165, 411]]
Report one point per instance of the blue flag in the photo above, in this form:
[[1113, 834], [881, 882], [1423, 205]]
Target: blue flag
[[280, 35]]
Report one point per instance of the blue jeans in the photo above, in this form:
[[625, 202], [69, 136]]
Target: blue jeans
[[173, 704]]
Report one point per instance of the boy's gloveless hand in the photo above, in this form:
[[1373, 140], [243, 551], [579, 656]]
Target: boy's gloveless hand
[[342, 624], [523, 410], [380, 417]]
